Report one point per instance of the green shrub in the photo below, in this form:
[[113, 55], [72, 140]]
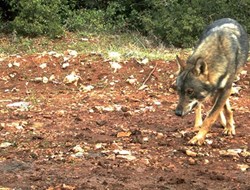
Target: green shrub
[[173, 22], [86, 20], [37, 17]]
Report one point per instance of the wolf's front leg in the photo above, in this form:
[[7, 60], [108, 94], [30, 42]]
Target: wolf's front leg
[[221, 99], [229, 128], [198, 118], [199, 138]]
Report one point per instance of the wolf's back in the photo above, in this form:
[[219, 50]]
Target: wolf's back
[[233, 30]]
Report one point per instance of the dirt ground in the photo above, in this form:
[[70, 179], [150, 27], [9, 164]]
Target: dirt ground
[[72, 121]]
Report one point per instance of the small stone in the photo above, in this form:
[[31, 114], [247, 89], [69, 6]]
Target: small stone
[[77, 148], [122, 152], [145, 139], [72, 78], [72, 53], [16, 64], [51, 78], [87, 88], [37, 125], [45, 80], [43, 65], [38, 79], [230, 153], [206, 161], [116, 56], [5, 144], [98, 146], [171, 76], [60, 113], [101, 122], [78, 155], [128, 157], [123, 134], [191, 153], [191, 161], [124, 109], [243, 167], [65, 65], [115, 66]]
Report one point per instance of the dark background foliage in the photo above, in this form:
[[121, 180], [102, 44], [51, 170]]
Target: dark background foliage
[[173, 22]]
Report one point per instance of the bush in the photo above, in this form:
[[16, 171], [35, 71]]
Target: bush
[[174, 22], [37, 17], [87, 20]]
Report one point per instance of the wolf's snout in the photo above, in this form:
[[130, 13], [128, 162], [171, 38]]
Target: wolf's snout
[[178, 112]]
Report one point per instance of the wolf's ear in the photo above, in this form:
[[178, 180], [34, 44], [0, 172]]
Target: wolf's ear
[[181, 64], [200, 67]]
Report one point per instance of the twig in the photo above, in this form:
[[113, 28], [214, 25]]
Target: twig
[[146, 80]]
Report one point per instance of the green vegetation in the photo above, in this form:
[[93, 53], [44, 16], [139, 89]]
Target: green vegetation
[[129, 45], [171, 22]]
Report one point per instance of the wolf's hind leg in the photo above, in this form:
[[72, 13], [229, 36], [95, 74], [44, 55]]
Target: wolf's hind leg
[[229, 129], [223, 120]]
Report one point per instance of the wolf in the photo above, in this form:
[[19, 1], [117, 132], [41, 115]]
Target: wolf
[[209, 72]]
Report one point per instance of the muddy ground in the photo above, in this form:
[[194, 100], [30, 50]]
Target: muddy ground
[[73, 121]]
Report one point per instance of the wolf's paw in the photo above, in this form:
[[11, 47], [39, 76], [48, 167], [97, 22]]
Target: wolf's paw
[[196, 128], [191, 130], [230, 131], [197, 140]]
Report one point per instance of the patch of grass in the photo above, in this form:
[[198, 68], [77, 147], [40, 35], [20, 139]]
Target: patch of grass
[[129, 45]]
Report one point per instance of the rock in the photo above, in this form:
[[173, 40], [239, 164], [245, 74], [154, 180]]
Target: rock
[[72, 53], [65, 65], [115, 56], [52, 78], [243, 167], [124, 109], [143, 61], [131, 80], [78, 155], [171, 76], [206, 161], [128, 157], [230, 152], [43, 65], [122, 152], [5, 144], [115, 66], [87, 88], [98, 146], [143, 87], [77, 148], [192, 161], [71, 78], [145, 139], [20, 105], [123, 134], [38, 79], [60, 113], [101, 122], [45, 80], [191, 153]]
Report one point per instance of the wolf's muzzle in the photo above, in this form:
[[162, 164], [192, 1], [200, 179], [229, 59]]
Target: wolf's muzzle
[[179, 111]]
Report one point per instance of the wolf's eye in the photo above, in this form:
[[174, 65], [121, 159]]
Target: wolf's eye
[[189, 91]]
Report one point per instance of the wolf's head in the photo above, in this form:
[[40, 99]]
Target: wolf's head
[[192, 85]]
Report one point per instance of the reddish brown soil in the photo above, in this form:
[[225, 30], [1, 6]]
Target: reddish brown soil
[[129, 139]]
